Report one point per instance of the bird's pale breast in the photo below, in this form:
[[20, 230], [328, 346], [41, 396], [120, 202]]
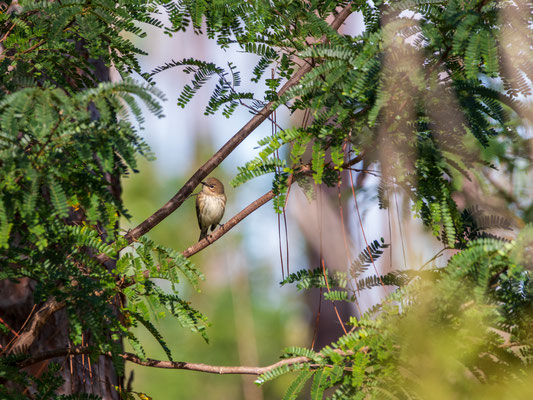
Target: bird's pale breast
[[212, 209]]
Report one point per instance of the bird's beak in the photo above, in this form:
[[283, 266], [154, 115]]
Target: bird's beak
[[203, 183]]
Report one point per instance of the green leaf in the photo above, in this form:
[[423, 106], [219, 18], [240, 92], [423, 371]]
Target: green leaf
[[297, 385], [58, 198], [318, 162], [319, 384], [5, 226]]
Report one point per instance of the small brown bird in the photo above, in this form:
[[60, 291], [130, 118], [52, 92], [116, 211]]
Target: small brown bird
[[210, 205]]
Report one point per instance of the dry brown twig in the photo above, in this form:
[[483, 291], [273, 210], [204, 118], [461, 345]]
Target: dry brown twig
[[149, 362]]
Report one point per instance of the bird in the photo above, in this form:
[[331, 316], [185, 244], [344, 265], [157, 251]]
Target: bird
[[210, 205]]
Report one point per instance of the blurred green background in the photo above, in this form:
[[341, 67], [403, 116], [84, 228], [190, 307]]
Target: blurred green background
[[252, 319]]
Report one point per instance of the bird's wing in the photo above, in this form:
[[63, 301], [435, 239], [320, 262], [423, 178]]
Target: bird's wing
[[225, 198], [198, 211]]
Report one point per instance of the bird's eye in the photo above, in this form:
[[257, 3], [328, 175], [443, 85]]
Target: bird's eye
[[212, 186]]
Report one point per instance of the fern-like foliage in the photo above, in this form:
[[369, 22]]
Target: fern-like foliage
[[297, 385], [465, 307], [440, 92], [67, 137], [476, 223], [446, 62], [145, 298], [225, 92], [367, 257], [315, 278]]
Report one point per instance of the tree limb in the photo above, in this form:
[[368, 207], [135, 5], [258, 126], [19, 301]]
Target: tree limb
[[210, 239], [149, 362], [212, 369]]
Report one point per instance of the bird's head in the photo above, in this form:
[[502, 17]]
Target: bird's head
[[212, 186]]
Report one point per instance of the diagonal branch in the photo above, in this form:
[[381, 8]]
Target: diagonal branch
[[209, 240], [202, 244], [177, 200], [225, 228]]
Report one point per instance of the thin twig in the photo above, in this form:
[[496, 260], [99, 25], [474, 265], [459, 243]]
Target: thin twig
[[319, 223], [439, 253], [346, 248], [49, 137], [7, 33], [332, 301], [317, 320], [289, 184], [363, 230], [401, 230], [30, 49], [14, 332], [20, 330]]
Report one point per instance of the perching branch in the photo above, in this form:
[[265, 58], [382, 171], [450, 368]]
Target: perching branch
[[210, 239], [175, 202], [225, 228], [149, 362], [202, 244]]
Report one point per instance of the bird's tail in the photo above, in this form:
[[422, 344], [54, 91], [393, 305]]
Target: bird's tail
[[203, 234]]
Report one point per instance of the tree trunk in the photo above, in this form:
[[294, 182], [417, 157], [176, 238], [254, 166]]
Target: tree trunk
[[80, 374]]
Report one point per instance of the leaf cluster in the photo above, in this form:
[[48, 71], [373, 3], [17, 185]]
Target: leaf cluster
[[468, 320], [416, 96], [67, 137]]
